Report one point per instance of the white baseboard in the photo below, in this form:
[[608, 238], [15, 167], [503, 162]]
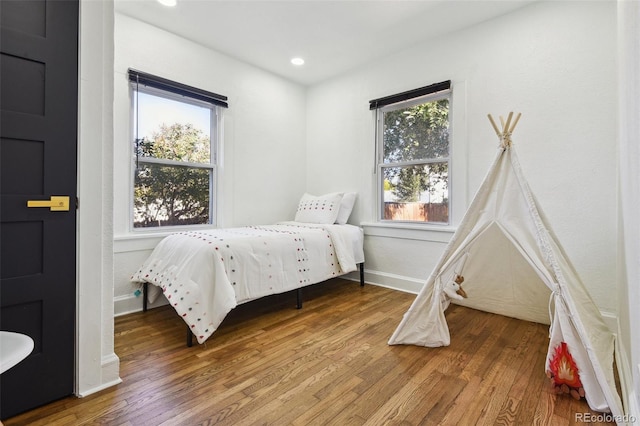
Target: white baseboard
[[110, 366], [99, 388], [393, 281], [126, 304], [130, 303]]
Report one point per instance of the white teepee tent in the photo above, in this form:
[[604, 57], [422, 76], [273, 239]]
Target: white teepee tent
[[513, 265]]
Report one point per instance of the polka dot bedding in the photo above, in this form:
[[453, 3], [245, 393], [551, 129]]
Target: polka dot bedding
[[205, 274]]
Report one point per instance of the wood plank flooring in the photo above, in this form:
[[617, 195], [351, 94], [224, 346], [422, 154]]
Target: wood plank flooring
[[326, 364]]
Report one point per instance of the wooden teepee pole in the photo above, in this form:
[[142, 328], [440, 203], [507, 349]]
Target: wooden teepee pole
[[514, 123], [493, 123], [507, 128]]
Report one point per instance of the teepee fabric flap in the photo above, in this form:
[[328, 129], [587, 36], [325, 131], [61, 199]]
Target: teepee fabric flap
[[426, 324]]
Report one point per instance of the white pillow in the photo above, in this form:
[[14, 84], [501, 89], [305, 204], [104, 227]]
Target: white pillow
[[346, 205], [319, 209]]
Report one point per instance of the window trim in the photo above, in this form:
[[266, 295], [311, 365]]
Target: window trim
[[422, 95], [215, 123]]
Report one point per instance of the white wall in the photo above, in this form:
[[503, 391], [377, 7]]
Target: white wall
[[629, 231], [263, 150], [553, 61]]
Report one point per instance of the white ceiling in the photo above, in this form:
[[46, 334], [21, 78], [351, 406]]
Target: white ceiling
[[333, 36]]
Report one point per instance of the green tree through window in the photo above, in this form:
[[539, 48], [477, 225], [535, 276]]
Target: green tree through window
[[415, 161], [172, 194]]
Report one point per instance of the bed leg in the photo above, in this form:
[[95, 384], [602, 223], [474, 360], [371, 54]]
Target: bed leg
[[145, 290], [189, 337], [299, 299], [361, 267]]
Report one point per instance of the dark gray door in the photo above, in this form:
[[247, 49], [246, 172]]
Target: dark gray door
[[38, 139]]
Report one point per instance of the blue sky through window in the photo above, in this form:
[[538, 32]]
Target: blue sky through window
[[156, 110]]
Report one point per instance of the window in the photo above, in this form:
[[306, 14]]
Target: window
[[175, 151], [413, 155]]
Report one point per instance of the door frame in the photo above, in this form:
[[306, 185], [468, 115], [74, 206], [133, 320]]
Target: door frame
[[97, 365]]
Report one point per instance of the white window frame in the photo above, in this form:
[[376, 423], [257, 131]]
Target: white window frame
[[213, 166], [380, 165]]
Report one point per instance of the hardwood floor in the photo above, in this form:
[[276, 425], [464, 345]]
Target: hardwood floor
[[327, 364]]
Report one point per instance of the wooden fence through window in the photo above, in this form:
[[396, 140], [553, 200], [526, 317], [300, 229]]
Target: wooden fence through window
[[417, 212]]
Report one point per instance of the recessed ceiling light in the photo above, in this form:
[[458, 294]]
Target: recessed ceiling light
[[297, 61], [169, 3]]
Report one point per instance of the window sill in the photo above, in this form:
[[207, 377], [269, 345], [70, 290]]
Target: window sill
[[149, 238], [136, 242], [409, 231]]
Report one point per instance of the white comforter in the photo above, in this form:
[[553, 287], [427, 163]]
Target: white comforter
[[205, 274]]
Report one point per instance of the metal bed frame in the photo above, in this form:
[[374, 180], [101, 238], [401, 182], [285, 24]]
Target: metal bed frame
[[145, 290]]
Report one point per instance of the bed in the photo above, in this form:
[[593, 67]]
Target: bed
[[204, 274]]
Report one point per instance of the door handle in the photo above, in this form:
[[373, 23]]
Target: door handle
[[56, 203]]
